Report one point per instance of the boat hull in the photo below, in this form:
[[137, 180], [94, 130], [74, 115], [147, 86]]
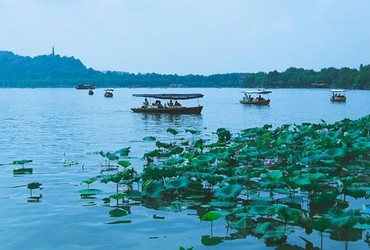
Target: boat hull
[[254, 102], [338, 99], [85, 86], [181, 110]]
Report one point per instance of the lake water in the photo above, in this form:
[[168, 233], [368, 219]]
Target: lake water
[[50, 126]]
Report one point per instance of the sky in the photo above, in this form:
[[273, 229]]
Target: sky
[[191, 36]]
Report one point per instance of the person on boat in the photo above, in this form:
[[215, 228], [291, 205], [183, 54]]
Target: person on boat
[[159, 104], [170, 104], [145, 103], [177, 104]]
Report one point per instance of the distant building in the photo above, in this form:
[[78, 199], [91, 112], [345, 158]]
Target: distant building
[[52, 52]]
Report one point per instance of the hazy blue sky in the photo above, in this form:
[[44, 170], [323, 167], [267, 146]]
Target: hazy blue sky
[[191, 36]]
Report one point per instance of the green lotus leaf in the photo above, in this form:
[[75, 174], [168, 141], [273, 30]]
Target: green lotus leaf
[[273, 175], [117, 196], [152, 189], [264, 227], [123, 151], [90, 192], [228, 192], [174, 161], [178, 183], [21, 162], [34, 185], [172, 131], [192, 131], [124, 164], [362, 226], [118, 212], [89, 181], [111, 156], [177, 150], [222, 204], [204, 158], [346, 234], [355, 192], [244, 223], [222, 156], [211, 241], [163, 145], [223, 135], [321, 224], [149, 138], [213, 215], [334, 153], [327, 196], [134, 194], [153, 153]]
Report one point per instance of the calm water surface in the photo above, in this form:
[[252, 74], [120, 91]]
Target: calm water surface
[[51, 126]]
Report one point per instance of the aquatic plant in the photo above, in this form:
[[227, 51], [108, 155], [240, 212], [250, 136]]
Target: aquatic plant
[[262, 181], [22, 170]]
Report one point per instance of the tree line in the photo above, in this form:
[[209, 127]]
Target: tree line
[[58, 71]]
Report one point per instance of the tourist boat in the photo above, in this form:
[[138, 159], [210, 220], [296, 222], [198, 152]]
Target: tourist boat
[[169, 107], [252, 98], [108, 93], [85, 86], [337, 95]]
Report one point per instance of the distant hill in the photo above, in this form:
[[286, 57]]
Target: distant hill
[[61, 71]]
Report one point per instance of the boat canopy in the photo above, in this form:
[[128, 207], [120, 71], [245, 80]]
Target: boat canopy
[[258, 92], [337, 90], [170, 96]]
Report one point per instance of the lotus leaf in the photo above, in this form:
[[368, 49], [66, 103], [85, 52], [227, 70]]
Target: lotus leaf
[[90, 192], [124, 164], [152, 189], [172, 131], [21, 162], [174, 161], [149, 138], [163, 145], [321, 224], [117, 196], [34, 185], [213, 215], [123, 151], [178, 183], [228, 192], [89, 181], [327, 196]]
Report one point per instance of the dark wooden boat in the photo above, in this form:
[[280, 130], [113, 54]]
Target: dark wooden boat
[[250, 98], [85, 86], [170, 107]]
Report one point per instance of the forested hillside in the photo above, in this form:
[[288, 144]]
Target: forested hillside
[[62, 71]]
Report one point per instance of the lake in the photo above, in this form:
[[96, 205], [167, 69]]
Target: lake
[[56, 126]]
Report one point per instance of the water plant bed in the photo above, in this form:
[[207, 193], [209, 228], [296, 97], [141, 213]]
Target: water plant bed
[[311, 180]]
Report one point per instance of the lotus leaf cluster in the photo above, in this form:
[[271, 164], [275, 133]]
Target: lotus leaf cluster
[[261, 181]]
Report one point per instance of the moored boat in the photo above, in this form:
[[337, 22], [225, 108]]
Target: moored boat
[[85, 86], [168, 108]]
